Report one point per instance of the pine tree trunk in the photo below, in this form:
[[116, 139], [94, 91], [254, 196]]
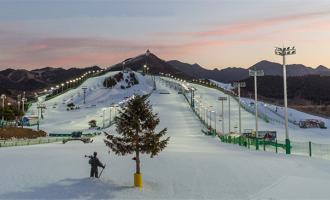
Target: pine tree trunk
[[137, 156]]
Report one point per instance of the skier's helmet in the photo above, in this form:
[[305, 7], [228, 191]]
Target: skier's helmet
[[95, 153]]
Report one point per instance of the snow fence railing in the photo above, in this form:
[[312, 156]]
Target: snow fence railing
[[308, 149], [277, 146], [26, 142], [182, 90], [244, 106]]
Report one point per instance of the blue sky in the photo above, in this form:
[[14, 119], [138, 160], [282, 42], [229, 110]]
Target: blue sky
[[214, 33]]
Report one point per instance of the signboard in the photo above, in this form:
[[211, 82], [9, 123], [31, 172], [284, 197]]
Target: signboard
[[239, 84], [267, 135], [257, 72], [222, 98]]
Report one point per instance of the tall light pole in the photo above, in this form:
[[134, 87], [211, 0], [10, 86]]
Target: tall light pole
[[238, 85], [256, 73], [215, 121], [145, 69], [62, 85], [222, 99], [147, 55], [229, 128], [18, 102], [3, 97], [123, 66], [23, 102], [283, 52]]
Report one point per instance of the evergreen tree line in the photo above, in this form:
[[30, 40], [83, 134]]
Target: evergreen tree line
[[314, 88], [10, 113]]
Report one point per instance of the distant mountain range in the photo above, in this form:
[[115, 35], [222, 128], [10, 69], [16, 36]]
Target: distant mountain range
[[13, 81], [226, 75], [231, 74]]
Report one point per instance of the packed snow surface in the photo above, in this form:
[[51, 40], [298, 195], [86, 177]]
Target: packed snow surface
[[99, 104], [274, 113], [193, 166]]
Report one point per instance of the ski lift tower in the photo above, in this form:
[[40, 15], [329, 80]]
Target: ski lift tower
[[40, 108], [84, 89]]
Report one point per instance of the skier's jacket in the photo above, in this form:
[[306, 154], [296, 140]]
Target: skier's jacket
[[95, 162]]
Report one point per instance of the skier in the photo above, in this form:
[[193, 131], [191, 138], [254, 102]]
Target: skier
[[95, 163]]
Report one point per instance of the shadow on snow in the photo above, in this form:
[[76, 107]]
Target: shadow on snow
[[85, 188]]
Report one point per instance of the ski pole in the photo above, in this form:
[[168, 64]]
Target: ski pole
[[101, 171]]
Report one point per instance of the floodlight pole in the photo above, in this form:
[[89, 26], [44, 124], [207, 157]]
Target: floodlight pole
[[239, 85], [23, 101], [223, 119], [3, 97], [18, 102], [256, 73], [215, 122], [283, 52], [229, 115], [222, 99]]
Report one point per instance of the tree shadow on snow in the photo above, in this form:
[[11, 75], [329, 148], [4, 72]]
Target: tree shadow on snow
[[85, 188]]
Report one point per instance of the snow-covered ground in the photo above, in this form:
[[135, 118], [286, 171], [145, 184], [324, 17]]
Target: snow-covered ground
[[225, 86], [98, 101], [209, 97], [193, 166]]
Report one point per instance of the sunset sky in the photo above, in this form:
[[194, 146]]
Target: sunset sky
[[219, 33]]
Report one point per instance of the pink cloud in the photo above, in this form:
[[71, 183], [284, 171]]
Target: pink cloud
[[247, 26]]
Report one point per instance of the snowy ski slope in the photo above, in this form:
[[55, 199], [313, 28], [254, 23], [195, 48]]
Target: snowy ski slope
[[98, 98], [193, 166], [209, 98]]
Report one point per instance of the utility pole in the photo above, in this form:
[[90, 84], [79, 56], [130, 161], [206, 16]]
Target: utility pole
[[238, 85], [283, 52], [222, 99], [256, 73]]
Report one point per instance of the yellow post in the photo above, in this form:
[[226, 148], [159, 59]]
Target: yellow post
[[138, 180]]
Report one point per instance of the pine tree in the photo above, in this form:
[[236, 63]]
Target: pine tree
[[136, 125]]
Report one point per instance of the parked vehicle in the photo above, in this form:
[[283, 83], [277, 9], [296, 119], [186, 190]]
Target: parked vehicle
[[312, 123]]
